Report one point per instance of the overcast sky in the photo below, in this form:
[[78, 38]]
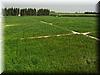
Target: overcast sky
[[56, 5]]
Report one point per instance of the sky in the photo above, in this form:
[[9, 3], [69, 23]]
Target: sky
[[54, 5]]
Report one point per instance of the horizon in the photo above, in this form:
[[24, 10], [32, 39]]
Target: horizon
[[48, 9]]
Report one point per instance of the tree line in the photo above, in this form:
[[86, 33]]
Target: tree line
[[90, 12], [25, 12]]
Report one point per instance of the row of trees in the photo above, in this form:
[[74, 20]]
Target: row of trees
[[28, 12], [90, 13], [25, 12], [11, 12]]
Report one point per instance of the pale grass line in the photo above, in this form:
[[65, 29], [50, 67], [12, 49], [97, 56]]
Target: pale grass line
[[59, 35], [47, 36], [86, 34], [51, 24], [93, 37], [9, 25], [74, 32]]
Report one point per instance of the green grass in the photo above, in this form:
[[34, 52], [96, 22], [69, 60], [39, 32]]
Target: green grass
[[72, 53]]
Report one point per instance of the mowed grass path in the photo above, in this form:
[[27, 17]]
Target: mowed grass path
[[72, 53]]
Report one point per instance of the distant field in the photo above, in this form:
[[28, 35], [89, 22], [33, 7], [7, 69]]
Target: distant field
[[74, 15], [47, 44]]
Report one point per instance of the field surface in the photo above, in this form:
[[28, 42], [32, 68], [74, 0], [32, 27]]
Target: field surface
[[50, 44]]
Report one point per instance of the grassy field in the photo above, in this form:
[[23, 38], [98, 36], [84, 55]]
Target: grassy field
[[70, 53]]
